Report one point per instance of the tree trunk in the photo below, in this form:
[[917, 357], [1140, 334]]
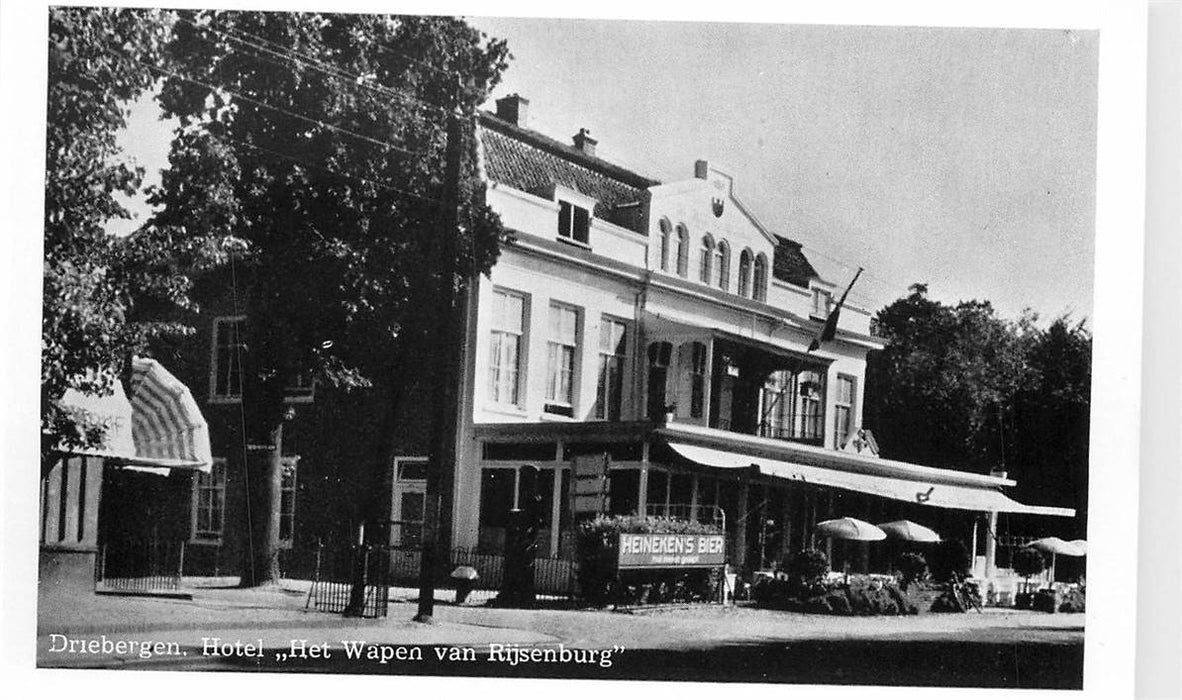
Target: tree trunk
[[263, 482]]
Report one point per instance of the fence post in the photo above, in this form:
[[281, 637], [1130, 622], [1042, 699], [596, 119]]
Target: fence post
[[315, 575]]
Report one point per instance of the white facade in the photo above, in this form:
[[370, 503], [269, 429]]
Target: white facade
[[641, 319]]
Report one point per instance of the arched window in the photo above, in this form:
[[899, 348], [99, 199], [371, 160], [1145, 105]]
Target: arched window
[[682, 250], [722, 265], [759, 292], [666, 230], [745, 273], [707, 256], [659, 356]]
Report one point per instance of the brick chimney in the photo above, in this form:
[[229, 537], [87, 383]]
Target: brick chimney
[[513, 109], [584, 142]]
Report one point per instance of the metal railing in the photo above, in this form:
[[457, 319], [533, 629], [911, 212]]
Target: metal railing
[[336, 571], [139, 566], [553, 576], [384, 567]]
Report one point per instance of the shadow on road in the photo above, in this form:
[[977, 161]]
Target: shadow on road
[[889, 662]]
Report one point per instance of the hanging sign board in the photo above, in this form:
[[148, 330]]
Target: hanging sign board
[[590, 495], [664, 551]]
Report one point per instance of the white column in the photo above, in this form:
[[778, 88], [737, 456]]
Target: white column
[[991, 546]]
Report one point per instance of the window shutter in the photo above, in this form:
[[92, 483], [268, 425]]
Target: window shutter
[[582, 225], [564, 219]]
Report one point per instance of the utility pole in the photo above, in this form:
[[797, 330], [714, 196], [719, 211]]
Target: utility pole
[[447, 370]]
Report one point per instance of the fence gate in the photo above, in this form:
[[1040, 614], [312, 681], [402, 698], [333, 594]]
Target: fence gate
[[139, 566]]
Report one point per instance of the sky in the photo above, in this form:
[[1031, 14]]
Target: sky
[[961, 158]]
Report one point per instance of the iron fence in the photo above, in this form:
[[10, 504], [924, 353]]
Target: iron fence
[[139, 566], [553, 576], [337, 569]]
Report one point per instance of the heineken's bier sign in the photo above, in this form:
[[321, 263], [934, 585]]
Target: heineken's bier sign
[[666, 551]]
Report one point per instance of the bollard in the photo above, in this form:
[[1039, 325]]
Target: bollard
[[464, 577]]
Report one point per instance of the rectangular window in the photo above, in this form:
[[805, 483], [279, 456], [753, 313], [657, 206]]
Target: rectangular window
[[613, 351], [822, 303], [287, 501], [209, 503], [411, 468], [226, 363], [562, 351], [697, 380], [811, 394], [844, 409], [574, 223], [508, 324], [229, 353]]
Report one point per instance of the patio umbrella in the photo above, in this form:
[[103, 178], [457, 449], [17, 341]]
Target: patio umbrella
[[909, 531], [849, 529], [1055, 546]]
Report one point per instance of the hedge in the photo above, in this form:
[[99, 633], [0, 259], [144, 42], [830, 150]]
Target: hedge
[[601, 583]]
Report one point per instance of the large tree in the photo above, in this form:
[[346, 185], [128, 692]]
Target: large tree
[[101, 293], [948, 373], [957, 386], [1048, 433], [322, 138]]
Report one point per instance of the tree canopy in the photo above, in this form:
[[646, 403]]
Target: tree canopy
[[959, 387], [97, 288], [321, 141], [318, 139]]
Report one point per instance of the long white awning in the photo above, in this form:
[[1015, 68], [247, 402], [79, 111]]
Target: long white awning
[[159, 428], [910, 490]]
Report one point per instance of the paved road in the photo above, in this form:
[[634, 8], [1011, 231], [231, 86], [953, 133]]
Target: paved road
[[255, 630]]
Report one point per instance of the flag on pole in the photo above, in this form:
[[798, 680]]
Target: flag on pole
[[830, 328]]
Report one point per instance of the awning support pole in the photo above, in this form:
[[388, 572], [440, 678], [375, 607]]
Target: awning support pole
[[991, 546]]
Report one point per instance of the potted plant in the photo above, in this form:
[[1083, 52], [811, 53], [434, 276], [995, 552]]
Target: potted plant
[[670, 412], [1027, 562]]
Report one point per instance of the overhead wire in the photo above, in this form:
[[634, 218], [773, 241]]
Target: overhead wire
[[266, 105], [288, 55], [368, 181]]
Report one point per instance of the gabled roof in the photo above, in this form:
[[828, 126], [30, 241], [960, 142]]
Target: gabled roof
[[534, 163], [790, 264]]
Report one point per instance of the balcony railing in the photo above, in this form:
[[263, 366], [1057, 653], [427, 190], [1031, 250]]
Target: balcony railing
[[810, 430]]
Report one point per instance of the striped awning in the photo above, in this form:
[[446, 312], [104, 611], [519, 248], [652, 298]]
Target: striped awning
[[157, 428], [166, 423]]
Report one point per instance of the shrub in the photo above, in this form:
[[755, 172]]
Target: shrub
[[950, 561], [857, 598], [912, 568], [1074, 600], [1045, 601], [807, 570], [1028, 562], [774, 593], [600, 582]]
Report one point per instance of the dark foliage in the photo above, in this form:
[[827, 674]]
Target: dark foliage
[[101, 294], [961, 388], [912, 568], [320, 142], [600, 582], [1028, 562], [950, 561]]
